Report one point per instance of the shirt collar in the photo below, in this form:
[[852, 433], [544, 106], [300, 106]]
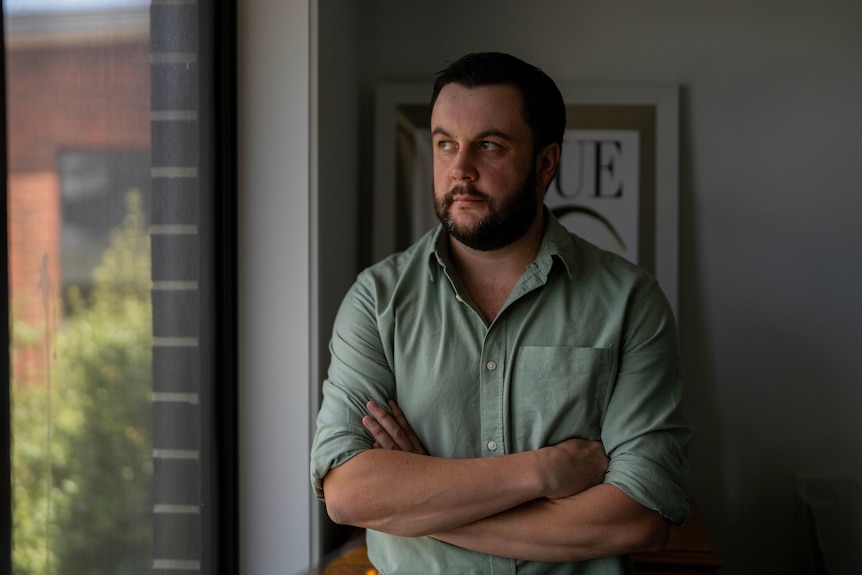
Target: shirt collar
[[557, 243], [437, 252]]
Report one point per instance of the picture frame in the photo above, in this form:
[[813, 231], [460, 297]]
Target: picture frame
[[628, 134]]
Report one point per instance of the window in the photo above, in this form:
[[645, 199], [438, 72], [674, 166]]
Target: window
[[121, 242]]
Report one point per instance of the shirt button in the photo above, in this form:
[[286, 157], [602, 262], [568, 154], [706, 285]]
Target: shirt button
[[491, 365], [492, 446], [459, 298]]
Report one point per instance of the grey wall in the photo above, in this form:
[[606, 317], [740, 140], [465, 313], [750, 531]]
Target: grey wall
[[275, 286], [338, 196], [771, 188]]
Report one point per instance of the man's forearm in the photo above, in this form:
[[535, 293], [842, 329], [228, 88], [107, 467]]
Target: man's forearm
[[399, 489], [410, 495], [600, 522]]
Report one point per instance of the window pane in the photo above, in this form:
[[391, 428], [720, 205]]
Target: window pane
[[107, 283]]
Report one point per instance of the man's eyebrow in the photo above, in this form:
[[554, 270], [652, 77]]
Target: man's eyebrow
[[481, 135]]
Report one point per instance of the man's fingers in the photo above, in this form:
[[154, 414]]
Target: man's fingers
[[415, 444], [391, 431], [381, 438], [396, 437]]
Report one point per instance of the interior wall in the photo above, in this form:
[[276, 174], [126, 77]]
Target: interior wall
[[338, 198], [770, 191], [275, 62]]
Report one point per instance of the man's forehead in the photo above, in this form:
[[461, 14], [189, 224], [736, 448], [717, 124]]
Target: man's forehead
[[500, 93], [486, 108]]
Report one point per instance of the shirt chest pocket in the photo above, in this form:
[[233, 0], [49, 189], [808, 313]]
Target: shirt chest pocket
[[558, 393]]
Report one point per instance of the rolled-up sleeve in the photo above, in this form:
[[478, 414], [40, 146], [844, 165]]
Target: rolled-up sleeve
[[358, 372], [645, 431]]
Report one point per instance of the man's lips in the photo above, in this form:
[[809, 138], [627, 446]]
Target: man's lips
[[466, 203], [461, 198]]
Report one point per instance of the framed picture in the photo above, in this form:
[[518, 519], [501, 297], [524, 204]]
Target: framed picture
[[617, 184]]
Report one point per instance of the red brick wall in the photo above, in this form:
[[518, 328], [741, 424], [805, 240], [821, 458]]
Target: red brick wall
[[34, 271], [86, 95], [94, 94]]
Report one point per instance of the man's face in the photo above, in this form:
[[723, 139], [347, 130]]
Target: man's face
[[486, 191]]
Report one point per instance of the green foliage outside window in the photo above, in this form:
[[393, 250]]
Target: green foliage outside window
[[82, 443]]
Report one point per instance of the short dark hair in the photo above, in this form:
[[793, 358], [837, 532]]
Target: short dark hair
[[544, 109]]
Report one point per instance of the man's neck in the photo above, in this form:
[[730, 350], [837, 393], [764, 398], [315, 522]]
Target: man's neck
[[490, 276]]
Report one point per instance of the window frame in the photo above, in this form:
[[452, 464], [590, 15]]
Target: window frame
[[219, 72], [217, 96]]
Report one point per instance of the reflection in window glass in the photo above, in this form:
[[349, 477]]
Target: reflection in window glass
[[103, 269]]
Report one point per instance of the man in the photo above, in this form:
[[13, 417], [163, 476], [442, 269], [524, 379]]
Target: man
[[503, 397]]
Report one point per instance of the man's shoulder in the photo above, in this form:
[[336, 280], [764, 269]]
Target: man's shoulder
[[586, 261], [409, 264], [592, 260]]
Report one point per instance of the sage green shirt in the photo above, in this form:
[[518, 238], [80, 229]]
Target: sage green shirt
[[585, 346]]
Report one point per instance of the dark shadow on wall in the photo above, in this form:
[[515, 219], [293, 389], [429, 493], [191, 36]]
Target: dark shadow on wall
[[705, 486]]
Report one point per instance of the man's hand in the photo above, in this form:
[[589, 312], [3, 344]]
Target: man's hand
[[391, 431], [569, 467], [574, 466]]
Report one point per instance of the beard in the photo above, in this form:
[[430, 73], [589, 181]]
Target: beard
[[507, 220]]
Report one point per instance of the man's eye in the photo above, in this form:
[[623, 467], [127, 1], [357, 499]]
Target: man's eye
[[445, 145], [489, 146]]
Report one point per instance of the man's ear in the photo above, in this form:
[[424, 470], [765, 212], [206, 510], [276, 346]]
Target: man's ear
[[547, 161]]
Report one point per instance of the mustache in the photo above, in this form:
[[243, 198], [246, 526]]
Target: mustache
[[468, 190]]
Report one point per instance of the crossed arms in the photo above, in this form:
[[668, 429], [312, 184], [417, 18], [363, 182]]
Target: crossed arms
[[544, 505], [553, 503]]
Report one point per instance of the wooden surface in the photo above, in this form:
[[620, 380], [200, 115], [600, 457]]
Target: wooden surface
[[688, 552], [352, 562]]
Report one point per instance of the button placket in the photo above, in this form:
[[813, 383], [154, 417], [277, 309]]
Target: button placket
[[492, 385]]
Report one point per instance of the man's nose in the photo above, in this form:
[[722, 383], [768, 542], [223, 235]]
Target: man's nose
[[464, 166]]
